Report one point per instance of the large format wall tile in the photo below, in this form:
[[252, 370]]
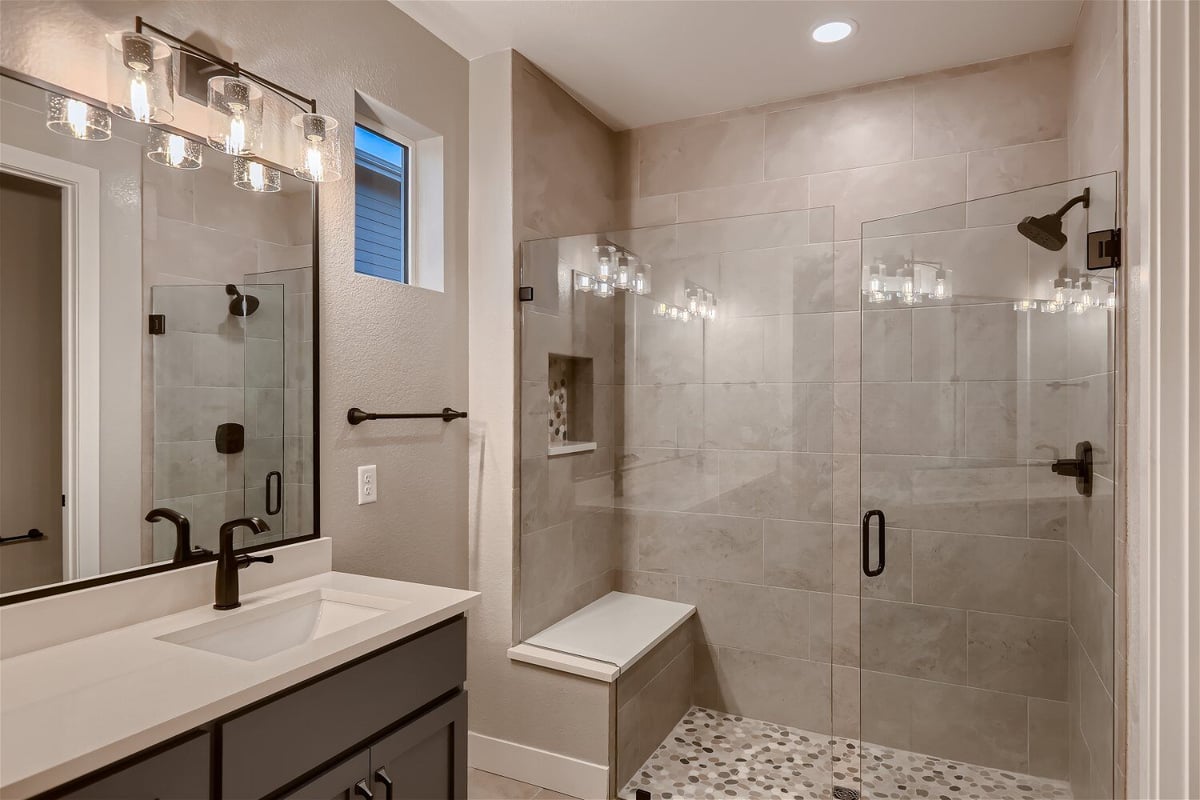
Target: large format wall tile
[[701, 545], [798, 347], [1048, 739], [1024, 101], [667, 479], [720, 153], [787, 691], [1018, 654], [789, 194], [969, 724], [913, 640], [776, 485], [1001, 574], [1092, 612], [856, 131], [783, 280], [758, 416], [872, 193], [799, 555], [762, 618]]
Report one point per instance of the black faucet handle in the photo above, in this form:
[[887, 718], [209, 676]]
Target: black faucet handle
[[244, 561]]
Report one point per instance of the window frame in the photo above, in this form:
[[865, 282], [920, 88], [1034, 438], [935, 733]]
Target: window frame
[[409, 181]]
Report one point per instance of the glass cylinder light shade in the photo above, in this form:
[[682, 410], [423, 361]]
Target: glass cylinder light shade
[[641, 279], [235, 115], [172, 150], [319, 156], [254, 177], [76, 118], [141, 78], [605, 254]]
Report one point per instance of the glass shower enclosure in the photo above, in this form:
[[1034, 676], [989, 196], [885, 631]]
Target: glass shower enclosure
[[859, 454]]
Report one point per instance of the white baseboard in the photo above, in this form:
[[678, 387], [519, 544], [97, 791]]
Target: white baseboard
[[571, 776]]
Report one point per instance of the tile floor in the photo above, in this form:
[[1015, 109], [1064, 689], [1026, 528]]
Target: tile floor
[[716, 756], [487, 786]]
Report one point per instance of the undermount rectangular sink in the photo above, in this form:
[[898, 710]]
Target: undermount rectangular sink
[[257, 632]]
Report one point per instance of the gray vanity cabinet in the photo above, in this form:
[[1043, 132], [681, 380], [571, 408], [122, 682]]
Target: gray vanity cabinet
[[423, 760], [390, 725]]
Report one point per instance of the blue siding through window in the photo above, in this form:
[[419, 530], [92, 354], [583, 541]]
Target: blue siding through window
[[380, 206]]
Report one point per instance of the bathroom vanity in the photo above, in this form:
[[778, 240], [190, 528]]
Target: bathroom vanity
[[329, 685]]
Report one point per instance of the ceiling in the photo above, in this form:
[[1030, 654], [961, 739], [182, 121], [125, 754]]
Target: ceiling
[[638, 62]]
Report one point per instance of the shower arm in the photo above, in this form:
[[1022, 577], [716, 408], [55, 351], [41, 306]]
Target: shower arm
[[1085, 198]]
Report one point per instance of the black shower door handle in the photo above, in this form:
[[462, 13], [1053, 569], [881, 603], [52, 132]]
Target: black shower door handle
[[866, 543], [277, 496]]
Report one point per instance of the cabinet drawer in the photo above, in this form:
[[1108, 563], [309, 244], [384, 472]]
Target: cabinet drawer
[[180, 772], [292, 734]]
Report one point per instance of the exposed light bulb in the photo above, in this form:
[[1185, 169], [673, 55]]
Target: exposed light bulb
[[1110, 302], [1024, 305], [235, 140], [584, 282], [176, 150], [139, 97], [605, 267], [314, 164], [258, 178], [673, 312], [685, 315], [77, 114]]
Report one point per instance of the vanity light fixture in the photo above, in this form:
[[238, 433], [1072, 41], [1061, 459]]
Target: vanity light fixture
[[173, 150], [834, 31], [912, 282], [320, 152], [255, 177], [141, 77], [235, 115], [77, 119]]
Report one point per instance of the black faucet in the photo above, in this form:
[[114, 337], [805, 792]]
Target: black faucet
[[183, 534], [228, 564]]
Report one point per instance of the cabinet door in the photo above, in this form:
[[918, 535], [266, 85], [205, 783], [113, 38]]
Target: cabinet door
[[180, 772], [426, 759], [345, 780]]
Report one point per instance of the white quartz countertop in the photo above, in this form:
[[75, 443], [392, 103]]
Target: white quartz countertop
[[71, 708]]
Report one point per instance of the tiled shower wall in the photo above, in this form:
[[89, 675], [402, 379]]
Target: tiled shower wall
[[765, 575], [1096, 685]]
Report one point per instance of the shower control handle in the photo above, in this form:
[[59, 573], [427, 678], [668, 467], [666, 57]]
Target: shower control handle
[[866, 543]]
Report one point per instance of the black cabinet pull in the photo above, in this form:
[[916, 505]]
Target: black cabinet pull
[[866, 543], [361, 790], [382, 777], [278, 494]]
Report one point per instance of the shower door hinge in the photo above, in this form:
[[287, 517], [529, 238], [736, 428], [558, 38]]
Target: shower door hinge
[[158, 324], [1104, 249], [525, 294]]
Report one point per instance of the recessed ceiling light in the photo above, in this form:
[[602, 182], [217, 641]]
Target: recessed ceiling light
[[833, 31]]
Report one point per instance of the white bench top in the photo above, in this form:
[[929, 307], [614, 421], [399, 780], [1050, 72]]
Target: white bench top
[[617, 629]]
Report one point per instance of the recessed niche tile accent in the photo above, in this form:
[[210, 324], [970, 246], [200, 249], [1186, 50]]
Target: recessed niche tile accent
[[569, 391]]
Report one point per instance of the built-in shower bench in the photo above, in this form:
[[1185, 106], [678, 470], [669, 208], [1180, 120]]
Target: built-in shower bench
[[643, 647]]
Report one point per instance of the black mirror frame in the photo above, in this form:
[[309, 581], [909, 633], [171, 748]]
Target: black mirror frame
[[63, 587]]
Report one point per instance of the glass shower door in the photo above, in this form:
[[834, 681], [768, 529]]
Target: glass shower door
[[986, 490], [214, 425]]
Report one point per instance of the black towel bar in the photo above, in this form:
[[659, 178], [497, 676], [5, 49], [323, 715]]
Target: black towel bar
[[356, 415], [32, 535]]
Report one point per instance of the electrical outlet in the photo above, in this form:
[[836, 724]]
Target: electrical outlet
[[368, 485]]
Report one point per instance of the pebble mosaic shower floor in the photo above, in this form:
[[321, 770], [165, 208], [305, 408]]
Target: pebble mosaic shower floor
[[718, 756]]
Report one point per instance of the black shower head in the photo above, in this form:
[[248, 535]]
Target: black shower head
[[1047, 231], [242, 305], [1044, 231]]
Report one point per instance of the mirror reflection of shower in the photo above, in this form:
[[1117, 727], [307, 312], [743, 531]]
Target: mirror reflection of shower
[[242, 305]]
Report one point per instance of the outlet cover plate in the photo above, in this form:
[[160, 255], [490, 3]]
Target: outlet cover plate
[[368, 485]]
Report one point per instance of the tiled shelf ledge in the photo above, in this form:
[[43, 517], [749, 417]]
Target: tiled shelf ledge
[[566, 448]]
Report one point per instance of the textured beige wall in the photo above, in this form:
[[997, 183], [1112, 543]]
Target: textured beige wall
[[510, 701], [383, 346]]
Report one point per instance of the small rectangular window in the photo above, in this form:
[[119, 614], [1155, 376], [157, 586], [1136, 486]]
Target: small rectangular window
[[381, 206]]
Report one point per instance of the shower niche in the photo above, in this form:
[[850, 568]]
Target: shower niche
[[569, 405]]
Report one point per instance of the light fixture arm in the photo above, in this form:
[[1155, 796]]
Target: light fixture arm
[[300, 101]]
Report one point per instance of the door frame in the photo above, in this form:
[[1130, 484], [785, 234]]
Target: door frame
[[1163, 385], [80, 187]]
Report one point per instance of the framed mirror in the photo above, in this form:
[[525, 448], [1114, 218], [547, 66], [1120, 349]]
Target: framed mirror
[[157, 346]]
